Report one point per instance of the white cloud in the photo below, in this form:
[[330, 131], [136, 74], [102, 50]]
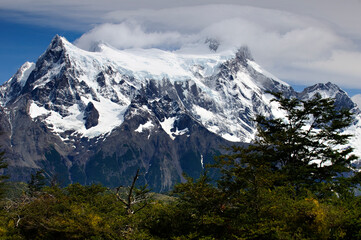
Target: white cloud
[[343, 14], [342, 68], [340, 62], [303, 42], [296, 48], [128, 35]]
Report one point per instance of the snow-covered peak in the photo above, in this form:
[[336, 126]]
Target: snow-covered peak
[[155, 63], [222, 90], [329, 90], [326, 90], [59, 41]]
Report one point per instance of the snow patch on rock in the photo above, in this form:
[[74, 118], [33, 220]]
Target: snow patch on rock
[[36, 111], [24, 72], [146, 126], [168, 124]]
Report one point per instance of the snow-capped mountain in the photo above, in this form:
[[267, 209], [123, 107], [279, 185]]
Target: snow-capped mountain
[[98, 116], [210, 87]]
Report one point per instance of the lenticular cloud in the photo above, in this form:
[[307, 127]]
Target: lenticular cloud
[[126, 35]]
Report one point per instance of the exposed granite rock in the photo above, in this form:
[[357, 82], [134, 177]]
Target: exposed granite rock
[[91, 116]]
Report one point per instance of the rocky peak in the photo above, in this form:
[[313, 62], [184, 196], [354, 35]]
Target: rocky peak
[[54, 57], [329, 90], [243, 54], [57, 41], [12, 88], [240, 61], [213, 44], [330, 87], [55, 52]]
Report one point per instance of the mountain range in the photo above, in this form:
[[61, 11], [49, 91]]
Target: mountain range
[[99, 115]]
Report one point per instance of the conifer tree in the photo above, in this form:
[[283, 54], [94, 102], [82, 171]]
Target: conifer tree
[[37, 182], [305, 150]]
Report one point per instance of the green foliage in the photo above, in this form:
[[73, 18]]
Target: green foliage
[[36, 183], [75, 212], [199, 211], [202, 205]]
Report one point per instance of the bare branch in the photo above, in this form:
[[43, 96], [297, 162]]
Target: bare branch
[[133, 197]]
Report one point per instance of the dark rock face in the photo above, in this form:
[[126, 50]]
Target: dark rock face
[[91, 116], [113, 160], [161, 160], [243, 54], [30, 145]]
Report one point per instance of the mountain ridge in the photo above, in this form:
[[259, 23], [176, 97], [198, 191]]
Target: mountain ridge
[[97, 116]]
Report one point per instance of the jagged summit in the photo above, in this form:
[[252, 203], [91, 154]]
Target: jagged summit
[[329, 90], [57, 41], [56, 47], [244, 54]]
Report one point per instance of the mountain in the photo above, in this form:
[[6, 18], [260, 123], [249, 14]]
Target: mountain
[[97, 116]]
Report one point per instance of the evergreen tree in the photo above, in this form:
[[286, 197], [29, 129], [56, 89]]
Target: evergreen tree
[[202, 207], [305, 150], [37, 182]]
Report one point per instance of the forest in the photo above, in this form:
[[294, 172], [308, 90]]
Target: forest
[[297, 180]]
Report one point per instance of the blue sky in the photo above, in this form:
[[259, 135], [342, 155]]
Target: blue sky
[[301, 42], [25, 42]]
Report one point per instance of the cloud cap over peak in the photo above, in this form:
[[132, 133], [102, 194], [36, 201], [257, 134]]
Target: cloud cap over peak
[[302, 42]]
